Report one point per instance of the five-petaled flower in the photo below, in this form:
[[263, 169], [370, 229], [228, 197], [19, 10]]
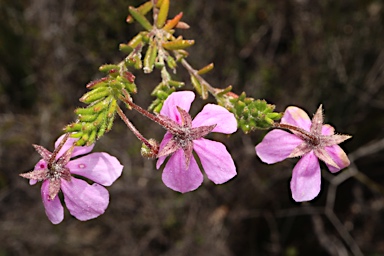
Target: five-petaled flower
[[312, 141], [181, 172], [83, 201]]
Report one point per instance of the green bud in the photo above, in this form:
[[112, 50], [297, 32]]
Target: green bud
[[240, 107], [242, 96], [245, 113], [269, 120], [261, 105], [274, 115], [150, 152]]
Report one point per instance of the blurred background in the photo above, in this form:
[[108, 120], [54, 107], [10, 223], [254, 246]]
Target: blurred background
[[289, 52]]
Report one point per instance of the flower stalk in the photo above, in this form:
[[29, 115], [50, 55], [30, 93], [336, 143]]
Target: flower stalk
[[146, 142]]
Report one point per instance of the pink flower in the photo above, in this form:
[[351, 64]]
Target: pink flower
[[83, 201], [181, 172], [312, 141]]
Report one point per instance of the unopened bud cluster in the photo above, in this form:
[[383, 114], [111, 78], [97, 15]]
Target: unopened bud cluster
[[253, 114]]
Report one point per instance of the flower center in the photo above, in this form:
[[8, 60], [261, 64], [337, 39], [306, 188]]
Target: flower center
[[56, 171], [183, 136], [311, 139]]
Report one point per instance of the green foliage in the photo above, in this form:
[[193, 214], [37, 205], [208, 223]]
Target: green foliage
[[156, 47], [96, 119]]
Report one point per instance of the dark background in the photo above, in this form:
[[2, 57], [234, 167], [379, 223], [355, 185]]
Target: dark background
[[289, 52]]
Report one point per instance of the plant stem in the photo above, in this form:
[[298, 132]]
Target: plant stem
[[303, 133], [134, 130], [202, 81], [164, 121]]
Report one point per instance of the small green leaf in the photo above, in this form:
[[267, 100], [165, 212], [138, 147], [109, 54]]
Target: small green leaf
[[205, 69], [171, 62], [163, 14], [196, 84], [140, 18], [108, 67], [149, 58], [95, 95], [178, 44]]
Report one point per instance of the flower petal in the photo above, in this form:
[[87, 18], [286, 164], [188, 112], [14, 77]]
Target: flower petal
[[84, 201], [41, 165], [53, 208], [297, 117], [327, 130], [214, 114], [164, 142], [77, 150], [338, 156], [99, 167], [215, 159], [182, 99], [177, 177], [306, 178], [276, 146]]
